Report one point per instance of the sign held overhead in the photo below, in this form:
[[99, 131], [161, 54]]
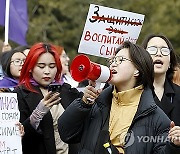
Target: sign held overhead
[[107, 28]]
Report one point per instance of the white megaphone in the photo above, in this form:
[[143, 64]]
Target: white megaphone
[[82, 68]]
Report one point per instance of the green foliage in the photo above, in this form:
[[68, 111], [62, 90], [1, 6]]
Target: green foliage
[[62, 22]]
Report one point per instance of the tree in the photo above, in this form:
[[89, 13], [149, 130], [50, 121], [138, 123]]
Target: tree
[[62, 22]]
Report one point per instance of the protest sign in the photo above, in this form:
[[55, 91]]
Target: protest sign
[[9, 107], [10, 139], [107, 28]]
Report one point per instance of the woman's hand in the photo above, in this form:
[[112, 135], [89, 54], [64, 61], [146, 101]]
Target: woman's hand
[[91, 93], [6, 47], [21, 128], [51, 99], [174, 134]]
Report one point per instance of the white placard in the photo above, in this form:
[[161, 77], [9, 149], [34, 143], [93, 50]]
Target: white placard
[[9, 107], [10, 139], [107, 28]]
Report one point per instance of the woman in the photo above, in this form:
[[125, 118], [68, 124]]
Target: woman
[[165, 62], [40, 109], [25, 49], [176, 76], [12, 62], [66, 76], [124, 115], [7, 54]]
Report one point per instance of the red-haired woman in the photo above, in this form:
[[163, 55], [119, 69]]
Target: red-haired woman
[[66, 77], [176, 76], [40, 109]]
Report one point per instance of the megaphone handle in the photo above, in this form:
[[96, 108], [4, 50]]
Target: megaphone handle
[[98, 84]]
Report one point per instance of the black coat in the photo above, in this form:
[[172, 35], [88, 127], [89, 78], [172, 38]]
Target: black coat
[[89, 126], [40, 142], [170, 102]]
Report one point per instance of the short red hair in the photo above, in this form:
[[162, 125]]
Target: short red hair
[[35, 51], [176, 76], [60, 49]]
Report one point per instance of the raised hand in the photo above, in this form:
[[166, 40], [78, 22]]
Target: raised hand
[[21, 128], [91, 93], [174, 134]]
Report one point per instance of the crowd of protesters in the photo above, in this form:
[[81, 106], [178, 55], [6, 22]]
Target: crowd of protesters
[[141, 100]]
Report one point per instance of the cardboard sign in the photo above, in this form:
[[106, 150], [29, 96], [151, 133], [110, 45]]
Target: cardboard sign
[[106, 29], [10, 139]]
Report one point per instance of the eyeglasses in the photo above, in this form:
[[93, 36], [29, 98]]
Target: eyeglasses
[[118, 60], [18, 62], [153, 50]]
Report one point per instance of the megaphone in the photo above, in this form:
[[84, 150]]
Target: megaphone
[[82, 68]]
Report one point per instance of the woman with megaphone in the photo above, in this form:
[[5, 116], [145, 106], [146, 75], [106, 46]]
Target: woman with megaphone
[[123, 118]]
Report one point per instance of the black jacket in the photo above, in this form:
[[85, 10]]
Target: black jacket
[[170, 102], [40, 142], [89, 126]]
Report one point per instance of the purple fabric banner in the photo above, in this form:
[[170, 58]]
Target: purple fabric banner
[[18, 20]]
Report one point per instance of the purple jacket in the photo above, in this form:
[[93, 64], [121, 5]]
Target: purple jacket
[[7, 82]]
